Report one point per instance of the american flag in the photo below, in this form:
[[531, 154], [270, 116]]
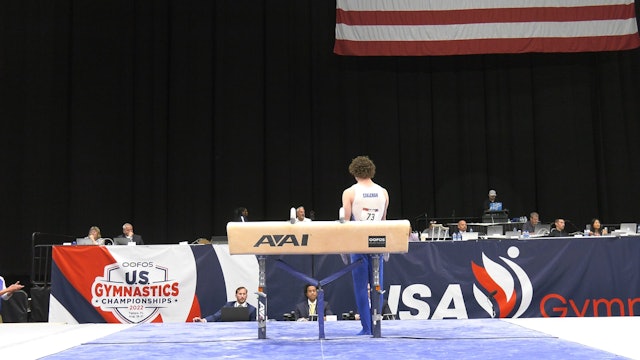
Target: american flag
[[458, 27]]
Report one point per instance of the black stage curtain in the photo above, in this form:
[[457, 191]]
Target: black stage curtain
[[169, 114]]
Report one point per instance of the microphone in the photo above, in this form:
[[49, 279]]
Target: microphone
[[420, 217]]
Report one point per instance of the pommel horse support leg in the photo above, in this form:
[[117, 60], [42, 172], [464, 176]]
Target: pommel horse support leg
[[262, 298], [376, 291], [319, 238]]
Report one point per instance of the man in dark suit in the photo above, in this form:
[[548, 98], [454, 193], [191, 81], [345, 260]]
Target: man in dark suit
[[241, 301], [127, 231], [309, 306], [241, 214], [461, 228]]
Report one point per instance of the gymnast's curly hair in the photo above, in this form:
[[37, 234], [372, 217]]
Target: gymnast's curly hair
[[362, 167]]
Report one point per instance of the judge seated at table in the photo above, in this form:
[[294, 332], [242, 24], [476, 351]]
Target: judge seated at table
[[558, 230], [462, 227], [530, 225], [241, 301], [308, 309]]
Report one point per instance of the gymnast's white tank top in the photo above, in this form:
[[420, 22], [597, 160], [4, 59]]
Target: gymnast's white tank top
[[368, 203]]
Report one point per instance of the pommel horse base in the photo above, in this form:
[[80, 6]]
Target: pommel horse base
[[318, 238]]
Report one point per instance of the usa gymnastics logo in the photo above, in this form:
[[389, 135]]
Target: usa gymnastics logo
[[134, 291], [498, 283]]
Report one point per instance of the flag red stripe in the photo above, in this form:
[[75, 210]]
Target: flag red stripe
[[551, 14], [486, 46]]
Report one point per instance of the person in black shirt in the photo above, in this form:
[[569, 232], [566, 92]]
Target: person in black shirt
[[490, 200], [558, 230]]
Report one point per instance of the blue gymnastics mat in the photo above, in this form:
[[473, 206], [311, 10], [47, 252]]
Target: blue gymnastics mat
[[412, 339]]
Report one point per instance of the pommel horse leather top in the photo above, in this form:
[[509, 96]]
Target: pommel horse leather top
[[318, 237]]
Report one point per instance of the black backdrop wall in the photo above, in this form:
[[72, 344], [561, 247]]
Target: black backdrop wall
[[169, 114]]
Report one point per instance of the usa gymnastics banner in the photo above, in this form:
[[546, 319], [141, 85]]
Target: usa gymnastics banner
[[544, 277], [547, 277], [137, 284], [445, 27]]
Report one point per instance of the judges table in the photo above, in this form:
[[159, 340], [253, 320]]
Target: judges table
[[482, 227], [542, 277]]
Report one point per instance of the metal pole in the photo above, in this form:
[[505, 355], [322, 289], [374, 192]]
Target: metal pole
[[376, 292], [262, 298], [320, 312]]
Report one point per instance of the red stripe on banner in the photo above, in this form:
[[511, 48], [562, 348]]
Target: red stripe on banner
[[480, 16], [80, 265], [158, 319], [195, 310], [486, 46]]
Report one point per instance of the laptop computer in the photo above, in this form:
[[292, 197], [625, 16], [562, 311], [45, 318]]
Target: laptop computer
[[511, 234], [234, 314], [84, 241], [495, 206], [494, 230], [470, 235], [120, 241], [542, 229], [629, 228]]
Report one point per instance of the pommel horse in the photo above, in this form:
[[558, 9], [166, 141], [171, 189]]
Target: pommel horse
[[318, 238]]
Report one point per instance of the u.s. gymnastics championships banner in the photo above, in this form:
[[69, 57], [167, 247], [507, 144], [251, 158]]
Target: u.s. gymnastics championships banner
[[460, 27], [136, 284]]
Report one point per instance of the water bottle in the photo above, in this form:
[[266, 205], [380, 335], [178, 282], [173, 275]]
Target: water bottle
[[525, 234], [586, 231]]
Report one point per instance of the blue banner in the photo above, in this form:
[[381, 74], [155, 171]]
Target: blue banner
[[545, 277]]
